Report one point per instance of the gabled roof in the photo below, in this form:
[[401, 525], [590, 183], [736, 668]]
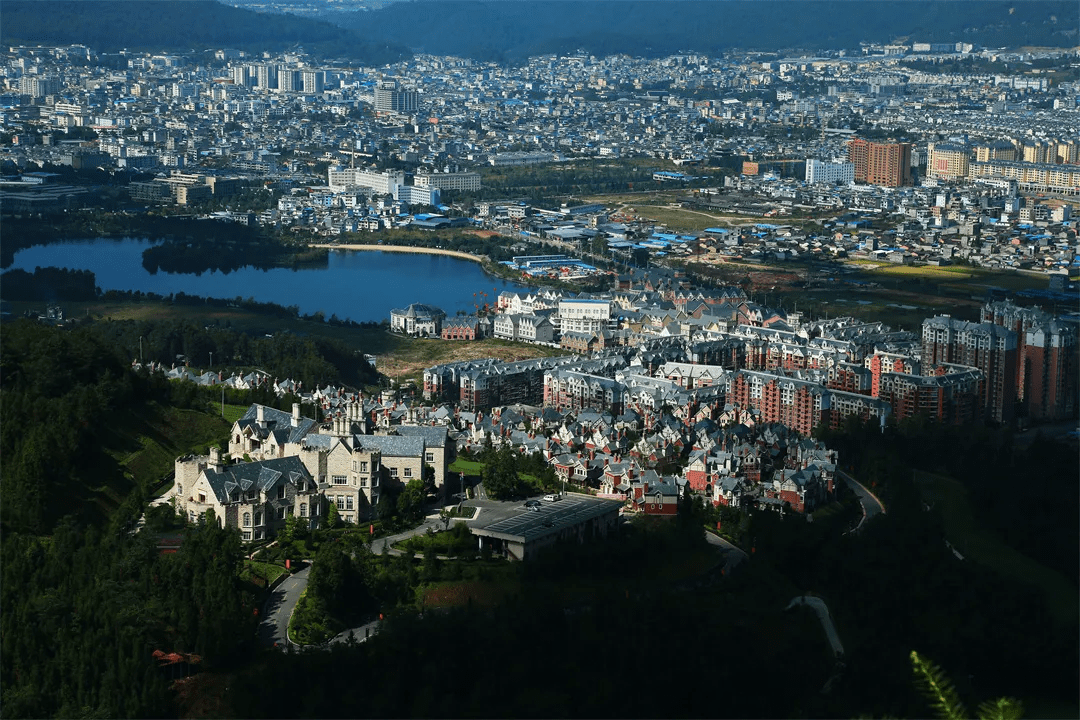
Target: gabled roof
[[264, 475], [275, 421]]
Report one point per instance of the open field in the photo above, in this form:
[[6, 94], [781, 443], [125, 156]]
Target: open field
[[411, 357], [975, 543], [957, 276]]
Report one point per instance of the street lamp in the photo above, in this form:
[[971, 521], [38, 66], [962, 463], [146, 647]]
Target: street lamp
[[211, 360]]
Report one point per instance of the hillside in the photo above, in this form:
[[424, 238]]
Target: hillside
[[82, 434], [510, 30]]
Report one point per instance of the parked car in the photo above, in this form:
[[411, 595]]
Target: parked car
[[553, 498], [532, 504]]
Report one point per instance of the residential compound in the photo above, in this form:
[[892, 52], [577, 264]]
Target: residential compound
[[801, 374]]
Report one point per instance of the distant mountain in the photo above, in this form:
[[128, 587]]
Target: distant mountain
[[178, 25], [514, 29]]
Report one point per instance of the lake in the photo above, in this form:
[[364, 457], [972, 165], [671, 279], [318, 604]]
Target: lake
[[356, 285]]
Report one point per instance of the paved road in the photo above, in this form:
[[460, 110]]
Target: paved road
[[818, 605], [360, 634], [432, 522], [278, 609], [870, 503], [733, 554]]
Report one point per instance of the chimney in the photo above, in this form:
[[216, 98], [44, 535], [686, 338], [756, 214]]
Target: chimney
[[296, 414], [260, 414], [215, 459]]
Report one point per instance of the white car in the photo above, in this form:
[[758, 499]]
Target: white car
[[552, 498]]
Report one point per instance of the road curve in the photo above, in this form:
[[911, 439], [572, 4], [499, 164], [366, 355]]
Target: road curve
[[870, 503], [733, 553], [818, 605], [278, 608]]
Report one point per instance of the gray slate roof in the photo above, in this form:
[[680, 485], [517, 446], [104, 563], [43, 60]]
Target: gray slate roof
[[264, 475]]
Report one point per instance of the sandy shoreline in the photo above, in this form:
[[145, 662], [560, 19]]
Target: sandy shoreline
[[406, 249]]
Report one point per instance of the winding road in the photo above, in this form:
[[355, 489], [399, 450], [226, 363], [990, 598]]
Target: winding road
[[871, 505], [274, 628]]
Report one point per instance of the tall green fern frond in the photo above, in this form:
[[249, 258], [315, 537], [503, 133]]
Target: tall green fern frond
[[938, 689], [1003, 708]]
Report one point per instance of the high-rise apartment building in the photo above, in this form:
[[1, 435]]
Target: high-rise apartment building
[[885, 164], [266, 77], [390, 99], [1047, 361], [990, 348], [995, 150], [314, 81], [948, 161]]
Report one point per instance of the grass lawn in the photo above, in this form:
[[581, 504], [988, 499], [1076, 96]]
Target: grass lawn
[[976, 543], [232, 412], [469, 467], [255, 572]]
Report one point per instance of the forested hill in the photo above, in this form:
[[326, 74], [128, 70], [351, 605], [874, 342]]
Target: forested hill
[[180, 25], [513, 29]]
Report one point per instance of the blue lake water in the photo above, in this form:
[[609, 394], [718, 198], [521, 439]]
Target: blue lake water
[[356, 285]]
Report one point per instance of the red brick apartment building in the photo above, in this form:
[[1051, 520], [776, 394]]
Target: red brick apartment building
[[1047, 364], [990, 348], [885, 164]]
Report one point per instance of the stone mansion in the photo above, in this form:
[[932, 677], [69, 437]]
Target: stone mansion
[[284, 464]]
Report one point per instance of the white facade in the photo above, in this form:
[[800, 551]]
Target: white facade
[[449, 181], [584, 315], [381, 183], [818, 171]]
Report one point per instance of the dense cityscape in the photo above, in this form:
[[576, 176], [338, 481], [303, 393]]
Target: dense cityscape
[[768, 369]]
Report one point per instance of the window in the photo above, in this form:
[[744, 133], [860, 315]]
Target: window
[[281, 492], [202, 497], [259, 534], [339, 479], [348, 518], [247, 520], [258, 519], [349, 502], [281, 513], [354, 464], [408, 472], [252, 494], [363, 482], [363, 466], [247, 535], [340, 502], [393, 472], [429, 457], [179, 489], [302, 487]]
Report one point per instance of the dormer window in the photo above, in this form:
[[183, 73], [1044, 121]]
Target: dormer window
[[281, 492]]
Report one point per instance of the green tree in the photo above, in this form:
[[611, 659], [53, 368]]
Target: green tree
[[332, 578], [500, 474], [939, 691], [410, 503], [333, 519]]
